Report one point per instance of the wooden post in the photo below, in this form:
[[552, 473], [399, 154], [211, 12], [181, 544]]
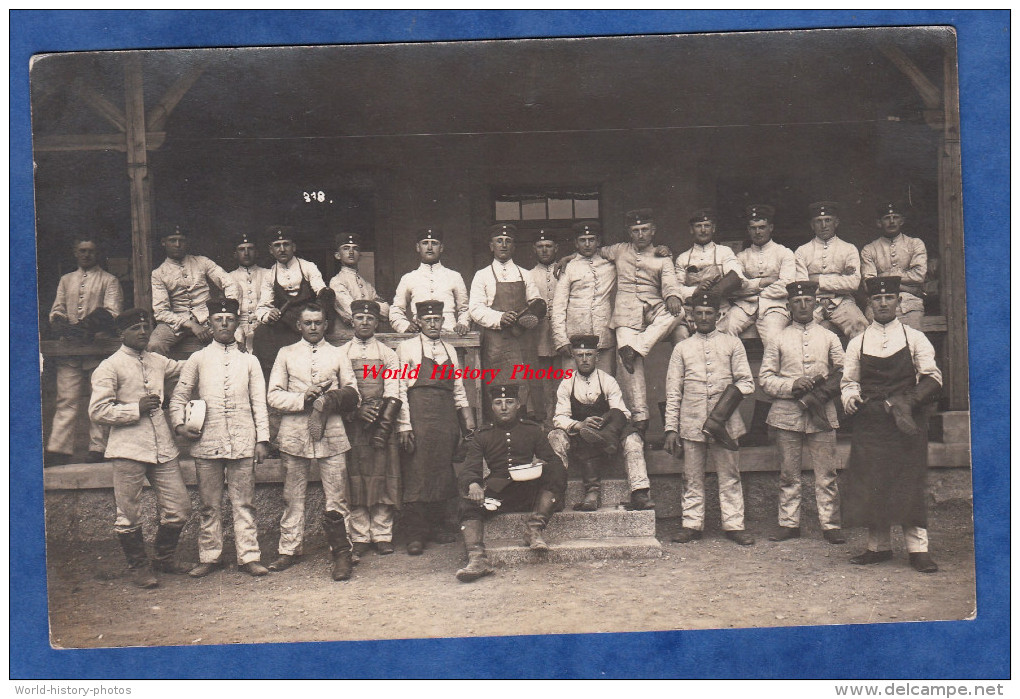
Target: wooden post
[[953, 287], [138, 173]]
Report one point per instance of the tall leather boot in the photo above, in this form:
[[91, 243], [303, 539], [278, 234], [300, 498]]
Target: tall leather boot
[[478, 566], [592, 485], [715, 425], [727, 285], [333, 402], [903, 405], [386, 421], [164, 547], [758, 434], [544, 504], [339, 544], [436, 518], [134, 551], [608, 437], [815, 400]]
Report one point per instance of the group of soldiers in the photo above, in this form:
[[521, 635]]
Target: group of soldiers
[[285, 362]]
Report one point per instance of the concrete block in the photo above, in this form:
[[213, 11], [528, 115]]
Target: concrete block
[[512, 552], [606, 522]]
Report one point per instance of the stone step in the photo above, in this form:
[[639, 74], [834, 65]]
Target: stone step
[[614, 491], [513, 551], [606, 522]]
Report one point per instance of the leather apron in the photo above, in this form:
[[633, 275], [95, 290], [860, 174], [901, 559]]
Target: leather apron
[[501, 349], [270, 338], [427, 474], [373, 474]]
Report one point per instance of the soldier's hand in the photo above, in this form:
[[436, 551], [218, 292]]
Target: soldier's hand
[[476, 493], [185, 431], [663, 251], [803, 385], [461, 328], [672, 443], [768, 280], [594, 422], [674, 305], [312, 393], [203, 333], [852, 404], [813, 277], [261, 451], [508, 319], [368, 412], [406, 441], [274, 315], [564, 351], [146, 404]]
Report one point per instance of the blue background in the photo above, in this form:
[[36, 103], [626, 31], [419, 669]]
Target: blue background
[[978, 648]]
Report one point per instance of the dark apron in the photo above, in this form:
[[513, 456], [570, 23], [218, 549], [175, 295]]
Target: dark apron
[[501, 349], [885, 480], [270, 338], [373, 474], [427, 474], [581, 411]]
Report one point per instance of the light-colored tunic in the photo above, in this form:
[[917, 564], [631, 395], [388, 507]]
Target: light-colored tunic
[[430, 283], [703, 257], [904, 257], [836, 262], [81, 292], [643, 282], [771, 259], [372, 353], [586, 390], [583, 301], [289, 277], [483, 291], [180, 289], [350, 286], [883, 341], [544, 280], [249, 282]]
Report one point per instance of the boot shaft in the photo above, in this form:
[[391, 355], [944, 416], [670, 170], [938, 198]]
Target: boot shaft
[[336, 532], [133, 545], [165, 544], [386, 421]]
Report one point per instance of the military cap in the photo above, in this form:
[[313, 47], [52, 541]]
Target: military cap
[[507, 390], [281, 233], [759, 212], [366, 306], [584, 341], [587, 228], [132, 316], [222, 306], [700, 215], [637, 217], [543, 234], [429, 234], [348, 239], [705, 299], [823, 208], [498, 229], [244, 239], [801, 288], [428, 308], [176, 231], [882, 285], [890, 207]]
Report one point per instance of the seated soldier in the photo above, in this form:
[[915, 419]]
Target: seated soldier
[[508, 441], [591, 422]]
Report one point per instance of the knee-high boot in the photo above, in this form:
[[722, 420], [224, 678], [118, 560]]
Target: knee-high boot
[[478, 566], [339, 544], [544, 504], [715, 425]]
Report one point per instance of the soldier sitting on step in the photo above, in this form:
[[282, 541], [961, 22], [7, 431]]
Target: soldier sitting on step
[[591, 422], [507, 442]]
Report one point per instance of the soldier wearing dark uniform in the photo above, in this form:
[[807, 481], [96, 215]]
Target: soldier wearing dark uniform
[[508, 441]]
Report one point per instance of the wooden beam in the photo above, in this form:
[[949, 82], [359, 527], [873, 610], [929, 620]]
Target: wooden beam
[[929, 92], [103, 106], [86, 142], [138, 172], [156, 118]]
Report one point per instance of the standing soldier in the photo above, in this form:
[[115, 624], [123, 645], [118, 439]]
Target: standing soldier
[[583, 301], [707, 378], [302, 374], [233, 438], [889, 381], [431, 408], [127, 394], [835, 265], [506, 303], [249, 278], [88, 299], [543, 399], [431, 281], [591, 422], [509, 441], [287, 287], [801, 370], [706, 267], [180, 288], [348, 285], [373, 469], [895, 254]]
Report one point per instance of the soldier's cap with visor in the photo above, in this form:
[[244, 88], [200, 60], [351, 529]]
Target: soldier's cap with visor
[[705, 299], [366, 306], [507, 390], [759, 212], [500, 229], [801, 288], [823, 208], [584, 342], [544, 234], [244, 239], [702, 216], [423, 234], [890, 207], [132, 316], [281, 234], [586, 228], [347, 239], [882, 285], [638, 217], [428, 308], [222, 306]]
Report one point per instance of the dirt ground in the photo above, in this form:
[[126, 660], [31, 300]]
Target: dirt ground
[[712, 583]]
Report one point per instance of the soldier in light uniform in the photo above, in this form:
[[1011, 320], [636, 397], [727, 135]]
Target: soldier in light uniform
[[801, 370], [302, 374], [88, 299], [896, 254], [583, 300], [543, 398], [431, 281], [592, 422], [706, 266], [835, 265], [127, 394], [708, 376], [180, 288], [233, 438], [373, 468], [249, 278], [348, 285]]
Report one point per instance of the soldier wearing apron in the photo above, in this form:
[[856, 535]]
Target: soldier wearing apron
[[373, 467], [431, 408], [505, 303], [889, 378]]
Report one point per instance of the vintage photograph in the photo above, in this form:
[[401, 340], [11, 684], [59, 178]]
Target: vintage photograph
[[499, 338]]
